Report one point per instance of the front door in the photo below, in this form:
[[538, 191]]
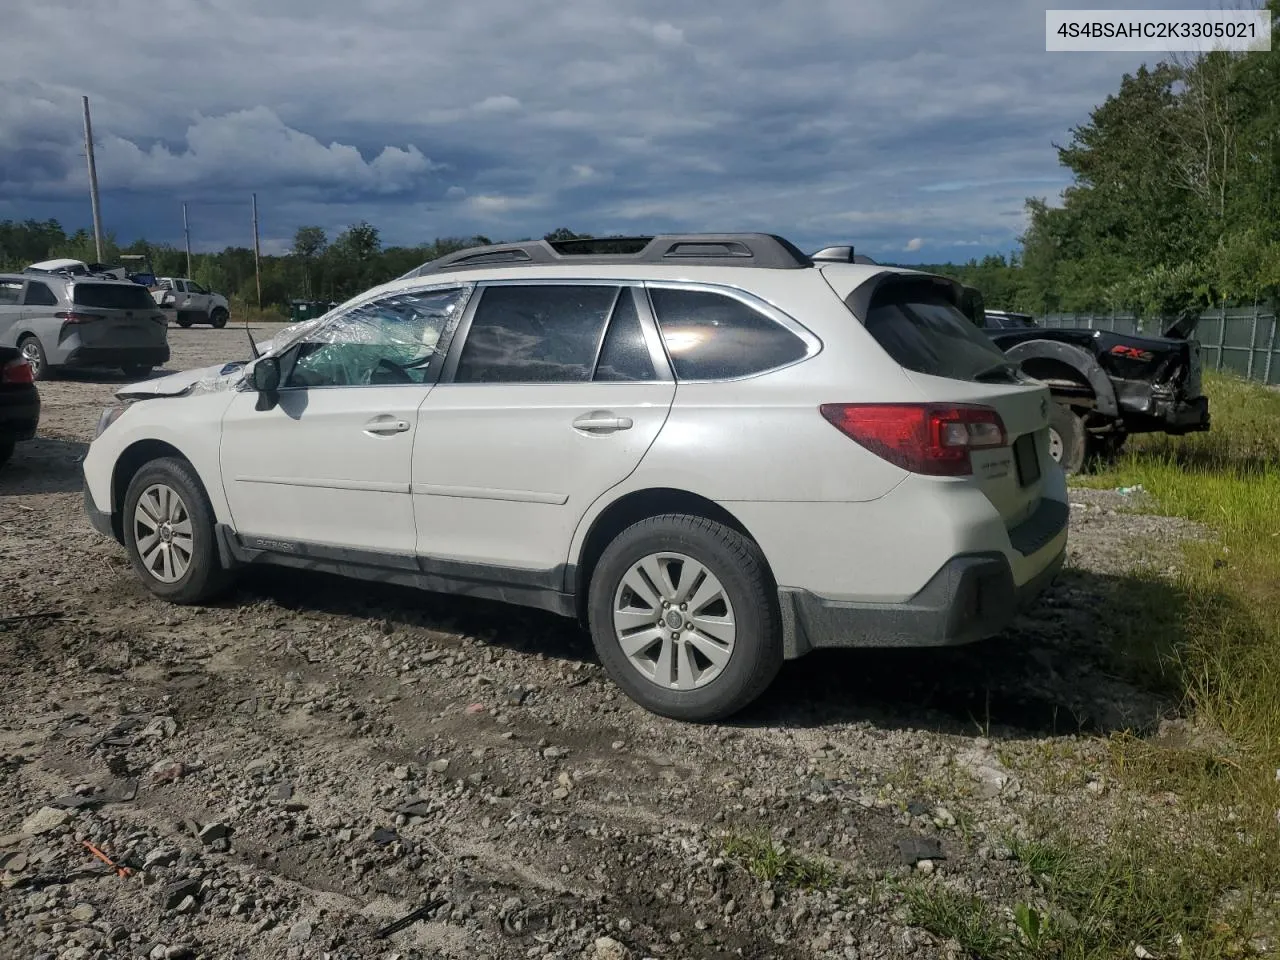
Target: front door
[[556, 394], [329, 465]]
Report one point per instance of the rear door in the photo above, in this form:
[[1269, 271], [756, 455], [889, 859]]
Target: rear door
[[116, 315], [916, 322], [555, 394]]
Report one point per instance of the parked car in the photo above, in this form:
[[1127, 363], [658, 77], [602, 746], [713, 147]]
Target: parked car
[[68, 321], [715, 451], [19, 402], [1106, 385], [190, 302]]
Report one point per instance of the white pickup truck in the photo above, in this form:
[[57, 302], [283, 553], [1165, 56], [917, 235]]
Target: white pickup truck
[[190, 302]]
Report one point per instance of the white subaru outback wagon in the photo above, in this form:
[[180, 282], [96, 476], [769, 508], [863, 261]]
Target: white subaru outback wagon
[[715, 450]]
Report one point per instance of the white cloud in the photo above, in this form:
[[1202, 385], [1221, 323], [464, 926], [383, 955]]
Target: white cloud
[[488, 203], [455, 192], [498, 104], [914, 244], [664, 33]]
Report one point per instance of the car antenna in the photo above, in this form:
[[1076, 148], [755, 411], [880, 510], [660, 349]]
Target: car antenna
[[252, 346]]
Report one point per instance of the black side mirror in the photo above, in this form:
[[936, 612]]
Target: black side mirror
[[266, 380]]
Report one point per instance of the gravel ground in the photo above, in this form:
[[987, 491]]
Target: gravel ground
[[287, 772]]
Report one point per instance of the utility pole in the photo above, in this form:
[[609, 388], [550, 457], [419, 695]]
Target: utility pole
[[93, 181], [186, 233], [257, 269]]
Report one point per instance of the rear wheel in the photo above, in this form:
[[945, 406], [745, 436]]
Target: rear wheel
[[6, 449], [184, 324], [218, 318], [168, 533], [1066, 438], [33, 352], [684, 617]]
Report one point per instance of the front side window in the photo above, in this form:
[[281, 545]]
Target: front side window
[[39, 295], [194, 287], [536, 333], [390, 340], [10, 292], [713, 336]]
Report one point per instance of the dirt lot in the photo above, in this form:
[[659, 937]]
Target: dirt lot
[[291, 770]]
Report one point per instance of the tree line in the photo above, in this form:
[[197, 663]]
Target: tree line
[[1174, 206]]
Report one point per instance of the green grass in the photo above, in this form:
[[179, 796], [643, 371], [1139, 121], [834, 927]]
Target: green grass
[[964, 918], [769, 861]]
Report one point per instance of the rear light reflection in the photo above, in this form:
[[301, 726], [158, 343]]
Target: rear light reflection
[[929, 438], [77, 317]]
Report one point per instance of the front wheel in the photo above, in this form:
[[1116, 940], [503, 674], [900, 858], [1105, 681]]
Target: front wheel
[[218, 318], [684, 617], [1066, 438], [168, 533]]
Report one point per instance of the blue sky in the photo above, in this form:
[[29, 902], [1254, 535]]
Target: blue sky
[[914, 130]]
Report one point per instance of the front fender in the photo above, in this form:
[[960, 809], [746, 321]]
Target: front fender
[[1079, 360]]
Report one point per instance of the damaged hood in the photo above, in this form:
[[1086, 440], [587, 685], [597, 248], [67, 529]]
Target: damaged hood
[[221, 376]]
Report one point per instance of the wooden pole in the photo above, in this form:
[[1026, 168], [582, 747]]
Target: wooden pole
[[93, 181], [257, 269], [186, 233]]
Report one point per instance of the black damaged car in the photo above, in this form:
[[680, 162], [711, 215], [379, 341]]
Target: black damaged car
[[1107, 385]]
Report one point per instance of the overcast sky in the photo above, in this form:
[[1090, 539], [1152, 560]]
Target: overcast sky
[[914, 130]]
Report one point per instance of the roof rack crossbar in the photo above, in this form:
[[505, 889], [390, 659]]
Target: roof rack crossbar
[[703, 249]]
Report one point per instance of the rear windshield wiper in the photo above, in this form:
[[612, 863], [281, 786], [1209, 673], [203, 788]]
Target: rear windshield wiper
[[1000, 371]]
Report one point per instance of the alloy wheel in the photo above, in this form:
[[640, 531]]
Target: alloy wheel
[[674, 622], [162, 532]]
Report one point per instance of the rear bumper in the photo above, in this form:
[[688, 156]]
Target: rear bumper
[[971, 598], [19, 413], [1187, 416], [154, 356]]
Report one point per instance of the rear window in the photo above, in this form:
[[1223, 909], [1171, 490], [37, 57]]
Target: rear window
[[923, 331], [113, 296]]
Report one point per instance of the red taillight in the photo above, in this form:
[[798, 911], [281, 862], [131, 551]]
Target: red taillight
[[16, 371], [930, 438], [68, 318]]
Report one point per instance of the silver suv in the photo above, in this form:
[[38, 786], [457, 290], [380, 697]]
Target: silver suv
[[716, 451], [68, 321]]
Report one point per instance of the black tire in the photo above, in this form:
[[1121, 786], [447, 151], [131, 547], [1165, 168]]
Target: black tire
[[1069, 442], [1104, 449], [204, 578], [31, 348], [740, 567], [218, 318], [137, 371], [6, 449], [184, 324]]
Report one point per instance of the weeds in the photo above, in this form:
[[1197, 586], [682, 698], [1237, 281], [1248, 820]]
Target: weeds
[[769, 861]]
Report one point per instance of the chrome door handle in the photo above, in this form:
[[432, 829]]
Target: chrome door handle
[[386, 427], [602, 422]]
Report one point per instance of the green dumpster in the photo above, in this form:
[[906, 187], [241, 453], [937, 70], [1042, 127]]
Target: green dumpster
[[300, 310]]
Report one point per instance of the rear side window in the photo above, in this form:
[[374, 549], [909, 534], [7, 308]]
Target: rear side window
[[535, 334], [624, 356], [113, 296], [923, 331], [712, 336], [39, 294]]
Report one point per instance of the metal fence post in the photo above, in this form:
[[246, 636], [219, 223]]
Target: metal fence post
[[1253, 341], [1271, 349], [1222, 333]]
